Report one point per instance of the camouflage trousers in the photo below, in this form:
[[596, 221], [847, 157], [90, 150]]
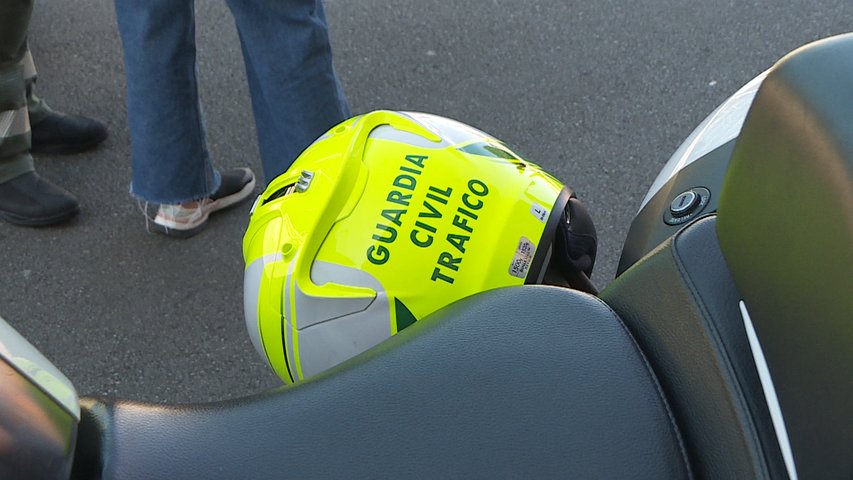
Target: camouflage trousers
[[19, 106]]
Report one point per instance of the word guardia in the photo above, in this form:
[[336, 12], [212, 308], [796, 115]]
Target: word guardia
[[425, 231]]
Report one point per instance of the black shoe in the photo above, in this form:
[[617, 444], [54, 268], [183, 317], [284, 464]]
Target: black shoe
[[60, 133], [32, 201]]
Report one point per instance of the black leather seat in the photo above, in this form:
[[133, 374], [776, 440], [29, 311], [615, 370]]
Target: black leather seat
[[524, 382], [681, 303]]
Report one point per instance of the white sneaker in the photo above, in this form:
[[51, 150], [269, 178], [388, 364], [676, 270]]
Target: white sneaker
[[186, 220]]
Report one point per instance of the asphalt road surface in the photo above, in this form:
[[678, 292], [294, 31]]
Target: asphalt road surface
[[599, 93]]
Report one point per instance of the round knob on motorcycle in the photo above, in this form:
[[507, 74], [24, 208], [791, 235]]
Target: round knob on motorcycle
[[684, 203]]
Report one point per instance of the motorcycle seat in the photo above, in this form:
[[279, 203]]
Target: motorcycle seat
[[521, 382]]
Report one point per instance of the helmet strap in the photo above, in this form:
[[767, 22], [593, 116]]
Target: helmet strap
[[575, 246]]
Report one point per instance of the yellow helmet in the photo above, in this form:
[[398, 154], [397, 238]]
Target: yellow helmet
[[385, 219]]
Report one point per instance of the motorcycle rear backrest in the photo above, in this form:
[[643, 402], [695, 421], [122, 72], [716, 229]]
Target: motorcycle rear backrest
[[781, 243], [786, 231]]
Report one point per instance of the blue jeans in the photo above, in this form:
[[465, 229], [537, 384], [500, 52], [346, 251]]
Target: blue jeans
[[296, 95]]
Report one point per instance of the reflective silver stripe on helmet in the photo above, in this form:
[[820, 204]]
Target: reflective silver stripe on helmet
[[338, 329], [29, 66], [313, 311], [251, 293], [451, 131], [387, 132], [14, 123]]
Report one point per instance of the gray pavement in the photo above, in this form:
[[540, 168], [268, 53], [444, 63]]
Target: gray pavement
[[599, 93]]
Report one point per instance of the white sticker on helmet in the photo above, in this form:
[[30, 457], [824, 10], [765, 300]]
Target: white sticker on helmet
[[523, 258], [540, 212]]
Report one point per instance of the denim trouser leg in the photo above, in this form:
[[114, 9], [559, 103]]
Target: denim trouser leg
[[170, 160], [296, 95]]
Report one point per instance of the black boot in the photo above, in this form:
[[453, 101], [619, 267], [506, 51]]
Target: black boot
[[60, 133], [32, 201]]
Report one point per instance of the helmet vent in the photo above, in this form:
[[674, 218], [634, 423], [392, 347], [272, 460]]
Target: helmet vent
[[300, 186], [281, 192]]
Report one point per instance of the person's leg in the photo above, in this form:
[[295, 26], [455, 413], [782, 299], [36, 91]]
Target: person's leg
[[171, 164], [15, 156], [25, 198], [56, 132], [36, 106], [169, 155], [296, 94], [15, 159]]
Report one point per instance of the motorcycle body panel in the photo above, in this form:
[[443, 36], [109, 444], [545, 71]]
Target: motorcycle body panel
[[698, 165], [654, 223], [39, 412]]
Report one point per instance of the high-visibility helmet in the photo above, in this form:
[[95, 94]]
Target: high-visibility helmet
[[389, 217]]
